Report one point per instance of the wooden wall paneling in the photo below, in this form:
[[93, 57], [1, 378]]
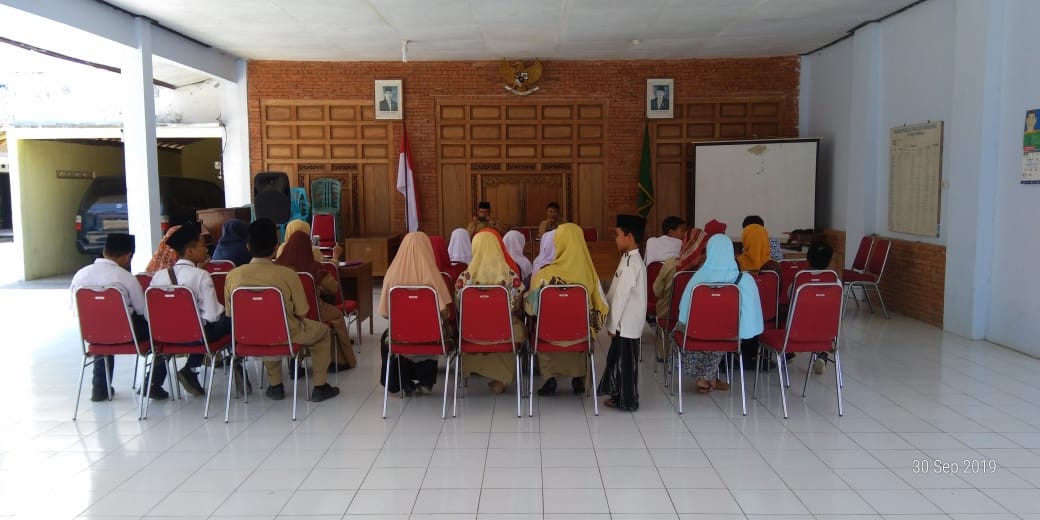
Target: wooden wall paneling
[[695, 120], [341, 139], [591, 195], [456, 211]]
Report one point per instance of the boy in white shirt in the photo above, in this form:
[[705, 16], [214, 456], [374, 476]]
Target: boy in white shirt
[[627, 299], [192, 252], [666, 246]]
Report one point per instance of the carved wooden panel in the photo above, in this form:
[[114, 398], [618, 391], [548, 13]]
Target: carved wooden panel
[[702, 120], [334, 139], [520, 155]]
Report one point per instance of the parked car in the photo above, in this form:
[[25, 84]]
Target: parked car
[[102, 210]]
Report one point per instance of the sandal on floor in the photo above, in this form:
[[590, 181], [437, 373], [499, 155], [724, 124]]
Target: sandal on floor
[[703, 386], [720, 385], [610, 403]]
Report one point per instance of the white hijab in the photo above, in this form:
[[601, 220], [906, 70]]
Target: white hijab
[[460, 247], [546, 251], [515, 242]]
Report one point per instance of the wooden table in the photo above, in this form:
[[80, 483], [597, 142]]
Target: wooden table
[[357, 285], [380, 251]]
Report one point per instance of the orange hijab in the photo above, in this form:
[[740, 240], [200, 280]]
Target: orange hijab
[[756, 248], [414, 265]]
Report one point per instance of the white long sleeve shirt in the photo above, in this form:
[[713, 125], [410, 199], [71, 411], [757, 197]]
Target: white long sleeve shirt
[[627, 297], [664, 247], [104, 272], [200, 282]]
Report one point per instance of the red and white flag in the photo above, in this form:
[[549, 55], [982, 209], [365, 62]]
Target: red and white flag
[[406, 184]]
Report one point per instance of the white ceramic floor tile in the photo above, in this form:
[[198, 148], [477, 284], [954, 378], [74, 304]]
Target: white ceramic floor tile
[[506, 478], [510, 501], [394, 478], [633, 501], [575, 501], [583, 478], [318, 502], [833, 502], [899, 502], [383, 501], [704, 501], [631, 477], [245, 503], [443, 501], [769, 502]]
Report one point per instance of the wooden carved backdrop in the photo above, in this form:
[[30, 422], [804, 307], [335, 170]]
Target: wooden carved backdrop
[[702, 120], [311, 140], [521, 155]]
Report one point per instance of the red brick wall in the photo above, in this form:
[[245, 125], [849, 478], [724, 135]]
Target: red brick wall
[[914, 283], [621, 83]]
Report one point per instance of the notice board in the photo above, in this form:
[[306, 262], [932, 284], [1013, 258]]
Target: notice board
[[915, 178]]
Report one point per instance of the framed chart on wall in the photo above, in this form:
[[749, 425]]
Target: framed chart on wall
[[915, 178]]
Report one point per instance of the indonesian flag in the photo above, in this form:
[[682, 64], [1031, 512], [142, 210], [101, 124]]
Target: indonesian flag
[[406, 184]]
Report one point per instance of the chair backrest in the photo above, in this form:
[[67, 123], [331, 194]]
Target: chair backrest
[[879, 257], [813, 276], [485, 319], [311, 290], [144, 280], [333, 271], [258, 320], [324, 225], [219, 266], [219, 280], [679, 283], [103, 316], [860, 261], [173, 317], [652, 270], [713, 322], [298, 205], [415, 320], [815, 321], [591, 234], [563, 314], [325, 195], [788, 269], [769, 293], [449, 282]]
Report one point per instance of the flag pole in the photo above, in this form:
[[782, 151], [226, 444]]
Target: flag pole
[[404, 139]]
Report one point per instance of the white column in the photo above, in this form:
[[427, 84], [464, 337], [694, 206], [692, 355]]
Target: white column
[[234, 115], [139, 148], [973, 175], [863, 146]]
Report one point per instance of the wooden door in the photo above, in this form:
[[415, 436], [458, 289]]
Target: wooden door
[[506, 203]]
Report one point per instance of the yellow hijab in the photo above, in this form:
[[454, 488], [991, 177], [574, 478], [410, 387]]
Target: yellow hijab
[[573, 265], [414, 265], [294, 226], [488, 265], [756, 248]]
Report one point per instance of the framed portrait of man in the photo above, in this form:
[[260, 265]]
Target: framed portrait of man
[[389, 99], [659, 96]]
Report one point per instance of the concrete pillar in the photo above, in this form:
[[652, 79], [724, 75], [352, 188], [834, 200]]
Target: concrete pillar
[[234, 115], [863, 146], [142, 167]]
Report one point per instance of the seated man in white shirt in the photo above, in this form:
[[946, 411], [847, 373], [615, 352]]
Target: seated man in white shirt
[[191, 250], [113, 270], [666, 246]]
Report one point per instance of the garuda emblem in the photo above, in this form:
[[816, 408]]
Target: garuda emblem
[[520, 79]]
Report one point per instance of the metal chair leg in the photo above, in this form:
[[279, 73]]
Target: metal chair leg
[[758, 370], [595, 398], [230, 381], [455, 391], [295, 385], [837, 379], [780, 373], [678, 373], [133, 377], [79, 392], [805, 385], [447, 375], [146, 393], [530, 386], [386, 382], [743, 394], [519, 383], [881, 300], [208, 380]]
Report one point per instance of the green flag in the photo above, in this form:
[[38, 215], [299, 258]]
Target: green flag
[[646, 184]]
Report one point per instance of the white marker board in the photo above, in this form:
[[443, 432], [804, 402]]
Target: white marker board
[[772, 178]]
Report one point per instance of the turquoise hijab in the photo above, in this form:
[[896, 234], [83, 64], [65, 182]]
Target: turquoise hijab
[[720, 266]]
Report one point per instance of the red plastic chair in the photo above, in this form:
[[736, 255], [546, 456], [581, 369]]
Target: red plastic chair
[[652, 270], [563, 317], [666, 323], [485, 327], [871, 277], [259, 329], [310, 288], [859, 262], [788, 270], [105, 329], [813, 276], [349, 307], [176, 328], [712, 325], [219, 266], [416, 330], [144, 280], [219, 280], [814, 326], [769, 293], [323, 225], [591, 234]]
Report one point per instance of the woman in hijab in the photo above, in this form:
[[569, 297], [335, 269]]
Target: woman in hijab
[[459, 248], [232, 243], [515, 243], [489, 267], [546, 252], [502, 246], [296, 255], [300, 226], [572, 264], [720, 267], [164, 256], [756, 248], [691, 256], [414, 264]]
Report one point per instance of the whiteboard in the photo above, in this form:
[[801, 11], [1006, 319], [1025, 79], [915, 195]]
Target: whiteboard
[[772, 178], [915, 178]]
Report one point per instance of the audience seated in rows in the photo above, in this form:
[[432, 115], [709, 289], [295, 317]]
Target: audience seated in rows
[[661, 248], [232, 243]]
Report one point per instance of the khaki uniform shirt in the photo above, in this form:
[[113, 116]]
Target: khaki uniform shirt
[[262, 272]]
